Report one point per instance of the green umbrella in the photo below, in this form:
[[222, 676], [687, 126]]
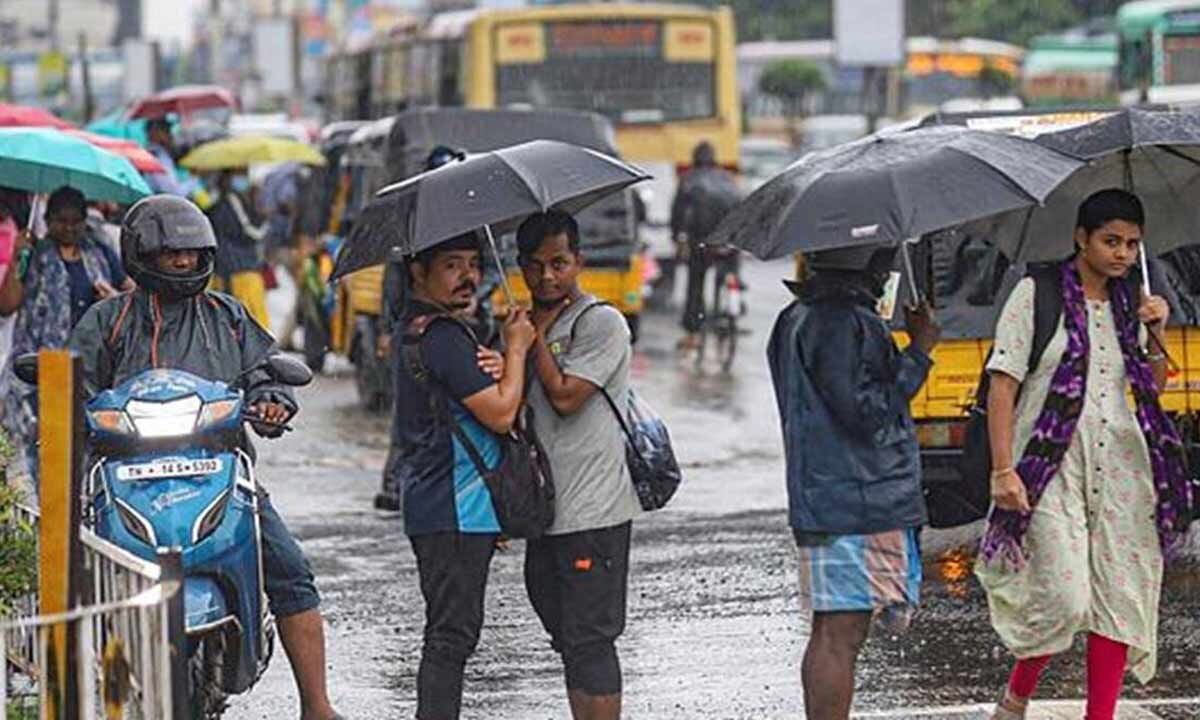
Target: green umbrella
[[41, 160]]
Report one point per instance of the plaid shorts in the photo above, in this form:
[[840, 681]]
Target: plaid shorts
[[879, 573]]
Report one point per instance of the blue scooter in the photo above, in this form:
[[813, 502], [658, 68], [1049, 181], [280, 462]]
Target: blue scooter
[[167, 468]]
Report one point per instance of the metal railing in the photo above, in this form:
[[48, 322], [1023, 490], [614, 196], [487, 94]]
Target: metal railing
[[120, 639]]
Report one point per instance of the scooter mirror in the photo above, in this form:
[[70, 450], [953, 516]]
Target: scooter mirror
[[26, 368], [290, 371]]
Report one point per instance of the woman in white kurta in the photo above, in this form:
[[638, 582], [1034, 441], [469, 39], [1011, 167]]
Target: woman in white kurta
[[1091, 551]]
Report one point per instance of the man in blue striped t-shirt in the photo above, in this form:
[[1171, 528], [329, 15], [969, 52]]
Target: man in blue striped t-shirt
[[442, 378]]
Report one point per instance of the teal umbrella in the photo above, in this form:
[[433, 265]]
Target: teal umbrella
[[41, 160], [115, 125]]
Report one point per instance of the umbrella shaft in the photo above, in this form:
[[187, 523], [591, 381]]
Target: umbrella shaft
[[508, 295]]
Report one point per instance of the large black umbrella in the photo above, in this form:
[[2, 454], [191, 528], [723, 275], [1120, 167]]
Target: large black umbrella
[[1155, 154], [493, 191], [890, 187]]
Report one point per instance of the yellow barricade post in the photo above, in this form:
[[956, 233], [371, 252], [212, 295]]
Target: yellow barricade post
[[60, 561]]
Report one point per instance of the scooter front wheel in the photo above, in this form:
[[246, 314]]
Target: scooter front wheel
[[206, 666]]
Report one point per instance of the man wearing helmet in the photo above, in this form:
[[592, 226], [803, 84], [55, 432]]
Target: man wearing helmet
[[170, 321], [853, 466]]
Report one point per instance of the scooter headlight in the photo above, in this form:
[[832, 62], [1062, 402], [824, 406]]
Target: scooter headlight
[[216, 412], [112, 421], [173, 418]]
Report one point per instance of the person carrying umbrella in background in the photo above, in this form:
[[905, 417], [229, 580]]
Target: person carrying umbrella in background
[[854, 487], [1089, 495], [239, 247], [64, 274], [14, 218], [162, 146]]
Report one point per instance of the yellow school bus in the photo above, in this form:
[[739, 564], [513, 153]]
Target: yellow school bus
[[664, 75]]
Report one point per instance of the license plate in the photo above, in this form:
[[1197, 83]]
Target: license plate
[[169, 469]]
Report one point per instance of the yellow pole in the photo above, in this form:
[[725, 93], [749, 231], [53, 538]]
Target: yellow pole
[[59, 551]]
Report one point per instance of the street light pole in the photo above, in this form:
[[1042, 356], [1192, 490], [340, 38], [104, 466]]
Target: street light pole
[[52, 23], [215, 30]]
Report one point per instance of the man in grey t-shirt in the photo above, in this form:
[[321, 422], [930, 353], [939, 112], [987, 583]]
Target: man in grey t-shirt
[[576, 575]]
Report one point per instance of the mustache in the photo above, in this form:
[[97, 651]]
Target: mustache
[[465, 286]]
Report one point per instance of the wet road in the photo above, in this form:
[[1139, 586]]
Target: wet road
[[714, 628]]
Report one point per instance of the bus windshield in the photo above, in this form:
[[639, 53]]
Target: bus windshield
[[619, 69]]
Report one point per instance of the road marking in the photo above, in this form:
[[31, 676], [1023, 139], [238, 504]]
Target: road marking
[[1044, 710]]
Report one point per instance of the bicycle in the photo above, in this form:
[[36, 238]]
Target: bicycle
[[722, 323]]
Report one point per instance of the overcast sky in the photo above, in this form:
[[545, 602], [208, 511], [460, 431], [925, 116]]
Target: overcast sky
[[169, 21]]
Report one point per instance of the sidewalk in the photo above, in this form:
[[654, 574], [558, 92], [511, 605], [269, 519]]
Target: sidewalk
[[1047, 710]]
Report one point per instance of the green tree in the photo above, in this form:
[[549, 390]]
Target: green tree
[[793, 82], [1014, 21], [18, 540]]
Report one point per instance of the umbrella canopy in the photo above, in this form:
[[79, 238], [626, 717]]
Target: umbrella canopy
[[1151, 153], [116, 126], [892, 186], [496, 190], [42, 160], [182, 100], [141, 158], [27, 116], [240, 152]]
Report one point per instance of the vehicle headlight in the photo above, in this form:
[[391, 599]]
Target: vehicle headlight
[[112, 421], [216, 412], [164, 419]]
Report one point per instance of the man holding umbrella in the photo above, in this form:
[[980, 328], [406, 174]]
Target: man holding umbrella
[[853, 465], [442, 390]]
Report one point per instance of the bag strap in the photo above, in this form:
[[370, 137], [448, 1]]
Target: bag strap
[[1047, 309], [411, 353], [620, 418]]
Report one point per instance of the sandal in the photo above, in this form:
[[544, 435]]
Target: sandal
[[1010, 708]]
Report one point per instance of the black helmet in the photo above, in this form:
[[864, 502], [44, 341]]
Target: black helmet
[[860, 258], [166, 222]]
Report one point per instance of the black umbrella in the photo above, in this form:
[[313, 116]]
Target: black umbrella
[[890, 187], [494, 191], [1154, 154]]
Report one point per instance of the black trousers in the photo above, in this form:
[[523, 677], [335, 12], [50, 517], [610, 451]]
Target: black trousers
[[453, 569], [577, 583], [699, 263]]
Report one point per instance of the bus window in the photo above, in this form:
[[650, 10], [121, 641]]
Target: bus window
[[620, 69], [1181, 59]]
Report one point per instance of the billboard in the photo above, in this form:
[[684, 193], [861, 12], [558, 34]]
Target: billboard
[[140, 61], [869, 33], [275, 55]]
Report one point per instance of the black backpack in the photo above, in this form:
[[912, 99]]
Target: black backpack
[[521, 486], [966, 499], [653, 469]]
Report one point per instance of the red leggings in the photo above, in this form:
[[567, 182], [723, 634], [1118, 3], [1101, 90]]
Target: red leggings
[[1105, 671]]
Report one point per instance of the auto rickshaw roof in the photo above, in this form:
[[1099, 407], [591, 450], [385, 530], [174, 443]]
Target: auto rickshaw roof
[[483, 130]]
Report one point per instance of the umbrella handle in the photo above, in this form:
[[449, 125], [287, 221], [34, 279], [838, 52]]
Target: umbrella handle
[[1145, 271], [508, 295], [33, 211], [914, 293]]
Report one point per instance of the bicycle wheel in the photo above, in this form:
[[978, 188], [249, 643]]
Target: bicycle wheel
[[728, 335]]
